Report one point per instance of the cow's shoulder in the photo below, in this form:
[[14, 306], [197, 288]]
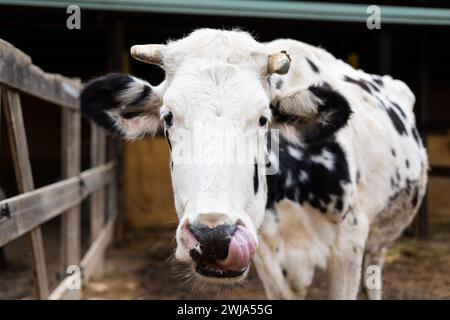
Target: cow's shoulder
[[316, 175]]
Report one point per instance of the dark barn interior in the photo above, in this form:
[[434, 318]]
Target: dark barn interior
[[137, 265]]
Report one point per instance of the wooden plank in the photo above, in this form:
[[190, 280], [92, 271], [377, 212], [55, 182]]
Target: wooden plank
[[96, 252], [24, 177], [97, 177], [63, 291], [422, 113], [3, 262], [18, 71], [89, 263], [114, 203], [71, 162], [97, 201], [26, 211], [98, 157], [440, 171], [0, 115]]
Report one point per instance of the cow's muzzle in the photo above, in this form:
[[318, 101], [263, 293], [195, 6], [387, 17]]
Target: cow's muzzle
[[220, 251]]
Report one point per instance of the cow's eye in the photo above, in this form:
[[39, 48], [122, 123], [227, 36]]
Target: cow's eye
[[262, 121], [168, 119]]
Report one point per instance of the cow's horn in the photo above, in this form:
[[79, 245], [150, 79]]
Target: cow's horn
[[278, 63], [148, 53]]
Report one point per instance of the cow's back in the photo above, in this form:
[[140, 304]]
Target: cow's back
[[384, 153]]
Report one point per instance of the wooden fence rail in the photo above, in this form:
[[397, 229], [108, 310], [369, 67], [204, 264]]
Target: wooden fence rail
[[25, 213]]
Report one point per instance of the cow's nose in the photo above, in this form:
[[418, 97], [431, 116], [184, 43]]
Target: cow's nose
[[214, 240]]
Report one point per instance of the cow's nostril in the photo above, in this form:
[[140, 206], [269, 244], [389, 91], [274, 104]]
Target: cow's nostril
[[214, 242]]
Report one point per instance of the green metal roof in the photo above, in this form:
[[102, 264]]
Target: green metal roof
[[259, 8]]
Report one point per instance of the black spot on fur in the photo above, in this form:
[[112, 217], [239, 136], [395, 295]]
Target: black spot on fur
[[99, 96], [393, 183], [335, 108], [378, 80], [381, 103], [415, 198], [284, 272], [255, 179], [361, 83], [372, 85], [358, 176], [339, 205], [416, 136], [349, 210], [143, 97], [396, 121], [279, 84], [130, 115], [281, 116], [333, 114], [407, 163], [408, 186], [322, 185], [393, 152], [397, 107], [312, 65], [166, 134]]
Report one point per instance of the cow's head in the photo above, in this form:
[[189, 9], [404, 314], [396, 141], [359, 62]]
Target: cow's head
[[214, 108]]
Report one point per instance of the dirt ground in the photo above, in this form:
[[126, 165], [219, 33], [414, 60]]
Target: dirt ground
[[414, 269], [142, 268]]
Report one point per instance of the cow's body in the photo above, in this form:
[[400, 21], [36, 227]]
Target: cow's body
[[351, 168], [346, 198]]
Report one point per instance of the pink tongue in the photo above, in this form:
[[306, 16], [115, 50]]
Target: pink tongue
[[241, 250]]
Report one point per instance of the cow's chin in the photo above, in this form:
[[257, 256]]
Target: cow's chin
[[214, 274]]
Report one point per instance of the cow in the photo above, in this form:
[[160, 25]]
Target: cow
[[348, 169]]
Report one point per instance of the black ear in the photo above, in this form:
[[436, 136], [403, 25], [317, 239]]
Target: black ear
[[122, 104], [317, 112]]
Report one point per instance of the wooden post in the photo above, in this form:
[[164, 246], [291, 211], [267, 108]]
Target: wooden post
[[385, 52], [97, 201], [113, 198], [2, 249], [25, 183], [422, 224], [118, 60], [71, 158]]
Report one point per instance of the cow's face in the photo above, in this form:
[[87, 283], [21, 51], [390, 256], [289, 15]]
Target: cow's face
[[216, 131], [214, 109]]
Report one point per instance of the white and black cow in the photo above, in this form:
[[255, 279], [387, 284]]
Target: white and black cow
[[350, 174]]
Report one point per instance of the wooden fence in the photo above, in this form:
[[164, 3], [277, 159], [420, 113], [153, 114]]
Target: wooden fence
[[25, 213]]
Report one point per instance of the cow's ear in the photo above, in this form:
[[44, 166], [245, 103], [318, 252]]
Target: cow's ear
[[316, 112], [123, 105]]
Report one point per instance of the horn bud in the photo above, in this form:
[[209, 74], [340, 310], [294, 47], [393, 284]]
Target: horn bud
[[278, 63], [148, 53]]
